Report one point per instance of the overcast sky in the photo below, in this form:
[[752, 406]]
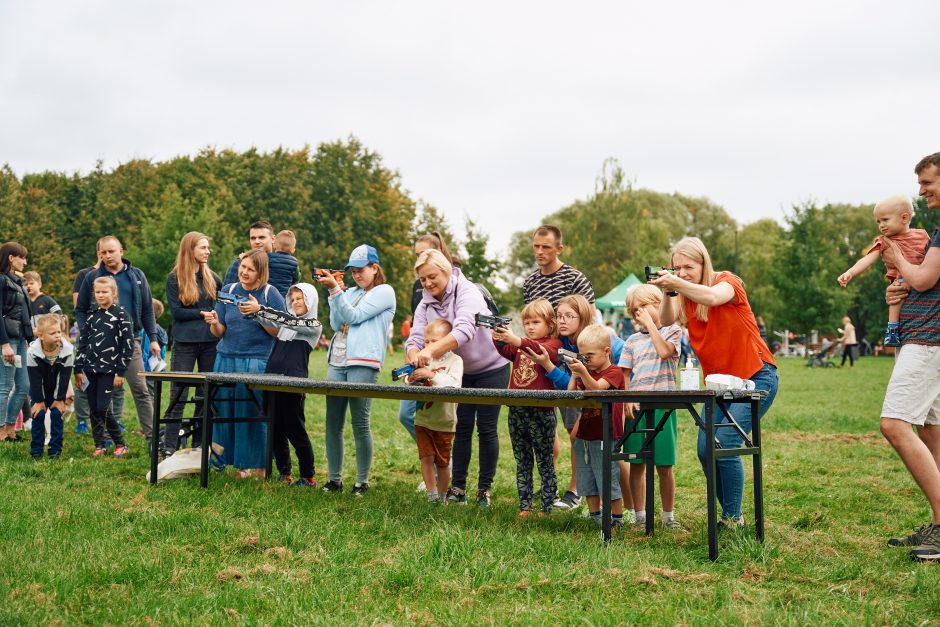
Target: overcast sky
[[502, 111]]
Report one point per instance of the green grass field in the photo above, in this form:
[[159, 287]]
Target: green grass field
[[88, 541]]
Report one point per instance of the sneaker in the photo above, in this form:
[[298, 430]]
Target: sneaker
[[615, 523], [433, 497], [483, 498], [81, 427], [639, 523], [99, 451], [286, 477], [304, 483], [915, 539], [730, 523], [360, 489], [456, 495], [333, 486], [569, 501], [673, 525], [120, 451], [629, 518], [525, 513], [892, 337], [929, 548], [422, 487], [215, 459]]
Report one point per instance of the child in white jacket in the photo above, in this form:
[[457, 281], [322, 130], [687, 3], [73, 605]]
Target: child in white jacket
[[435, 422]]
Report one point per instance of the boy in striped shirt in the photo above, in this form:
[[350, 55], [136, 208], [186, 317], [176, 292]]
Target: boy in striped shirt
[[649, 360]]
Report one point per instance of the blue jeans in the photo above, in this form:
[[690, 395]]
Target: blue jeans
[[39, 433], [406, 416], [15, 380], [359, 409], [730, 483]]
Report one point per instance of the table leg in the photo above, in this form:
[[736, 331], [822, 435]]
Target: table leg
[[207, 392], [607, 491], [155, 435], [711, 478], [758, 470], [650, 471]]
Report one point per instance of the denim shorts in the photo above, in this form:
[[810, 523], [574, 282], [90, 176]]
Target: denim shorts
[[589, 465]]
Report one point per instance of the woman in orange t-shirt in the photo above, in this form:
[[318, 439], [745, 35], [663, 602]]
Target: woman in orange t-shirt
[[724, 336]]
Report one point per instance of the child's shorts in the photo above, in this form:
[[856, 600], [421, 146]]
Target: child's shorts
[[569, 416], [589, 464], [436, 443], [664, 446]]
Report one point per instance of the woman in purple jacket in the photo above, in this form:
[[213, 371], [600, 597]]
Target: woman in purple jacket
[[448, 294]]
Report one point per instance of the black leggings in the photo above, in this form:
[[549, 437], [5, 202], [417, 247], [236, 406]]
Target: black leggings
[[486, 418], [100, 386], [287, 408], [849, 351]]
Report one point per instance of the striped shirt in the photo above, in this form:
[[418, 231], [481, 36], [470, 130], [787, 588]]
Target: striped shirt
[[920, 313], [649, 373], [553, 287]]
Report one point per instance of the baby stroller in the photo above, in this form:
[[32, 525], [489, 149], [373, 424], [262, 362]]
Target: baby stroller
[[823, 357]]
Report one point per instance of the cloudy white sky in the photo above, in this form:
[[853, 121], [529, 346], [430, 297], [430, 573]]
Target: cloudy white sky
[[503, 111]]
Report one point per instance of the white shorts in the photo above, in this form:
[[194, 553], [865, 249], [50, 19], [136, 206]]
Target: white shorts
[[914, 389]]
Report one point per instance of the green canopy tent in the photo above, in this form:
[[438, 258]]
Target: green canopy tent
[[615, 300]]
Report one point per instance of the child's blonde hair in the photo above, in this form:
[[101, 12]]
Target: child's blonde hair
[[541, 309], [285, 242], [640, 295], [694, 249], [440, 325], [582, 307], [594, 336], [157, 308], [48, 321], [110, 282]]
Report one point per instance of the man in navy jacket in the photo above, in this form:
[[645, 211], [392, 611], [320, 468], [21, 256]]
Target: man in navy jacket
[[134, 296]]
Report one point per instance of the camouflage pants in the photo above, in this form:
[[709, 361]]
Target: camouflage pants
[[532, 432]]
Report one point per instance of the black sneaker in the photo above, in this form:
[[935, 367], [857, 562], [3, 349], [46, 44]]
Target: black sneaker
[[360, 489], [569, 501], [456, 495], [929, 549], [914, 539], [483, 498], [333, 486]]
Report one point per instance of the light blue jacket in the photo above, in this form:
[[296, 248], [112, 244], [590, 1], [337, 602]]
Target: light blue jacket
[[368, 322]]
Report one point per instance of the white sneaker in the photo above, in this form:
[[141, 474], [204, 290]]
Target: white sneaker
[[422, 487]]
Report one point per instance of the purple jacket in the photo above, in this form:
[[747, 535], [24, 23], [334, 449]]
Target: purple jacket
[[462, 300]]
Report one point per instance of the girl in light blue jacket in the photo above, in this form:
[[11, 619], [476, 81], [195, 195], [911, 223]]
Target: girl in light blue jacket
[[360, 318]]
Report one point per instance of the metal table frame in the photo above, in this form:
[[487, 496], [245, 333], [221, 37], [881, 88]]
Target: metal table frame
[[712, 403]]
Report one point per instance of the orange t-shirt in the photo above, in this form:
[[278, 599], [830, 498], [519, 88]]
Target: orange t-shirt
[[913, 245], [729, 343]]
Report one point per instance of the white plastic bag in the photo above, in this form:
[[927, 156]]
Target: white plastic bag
[[721, 382]]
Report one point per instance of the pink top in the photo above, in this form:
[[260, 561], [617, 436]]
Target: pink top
[[913, 245]]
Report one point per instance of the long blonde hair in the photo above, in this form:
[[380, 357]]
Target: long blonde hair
[[583, 308], [186, 267], [694, 249]]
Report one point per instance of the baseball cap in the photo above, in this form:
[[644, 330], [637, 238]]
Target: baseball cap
[[362, 256]]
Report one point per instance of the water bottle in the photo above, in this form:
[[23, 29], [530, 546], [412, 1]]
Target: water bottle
[[688, 376]]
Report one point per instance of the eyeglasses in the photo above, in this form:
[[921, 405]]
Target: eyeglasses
[[567, 316]]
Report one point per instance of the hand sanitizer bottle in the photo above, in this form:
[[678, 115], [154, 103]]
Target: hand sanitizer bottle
[[688, 376]]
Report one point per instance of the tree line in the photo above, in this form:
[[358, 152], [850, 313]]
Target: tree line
[[341, 194]]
